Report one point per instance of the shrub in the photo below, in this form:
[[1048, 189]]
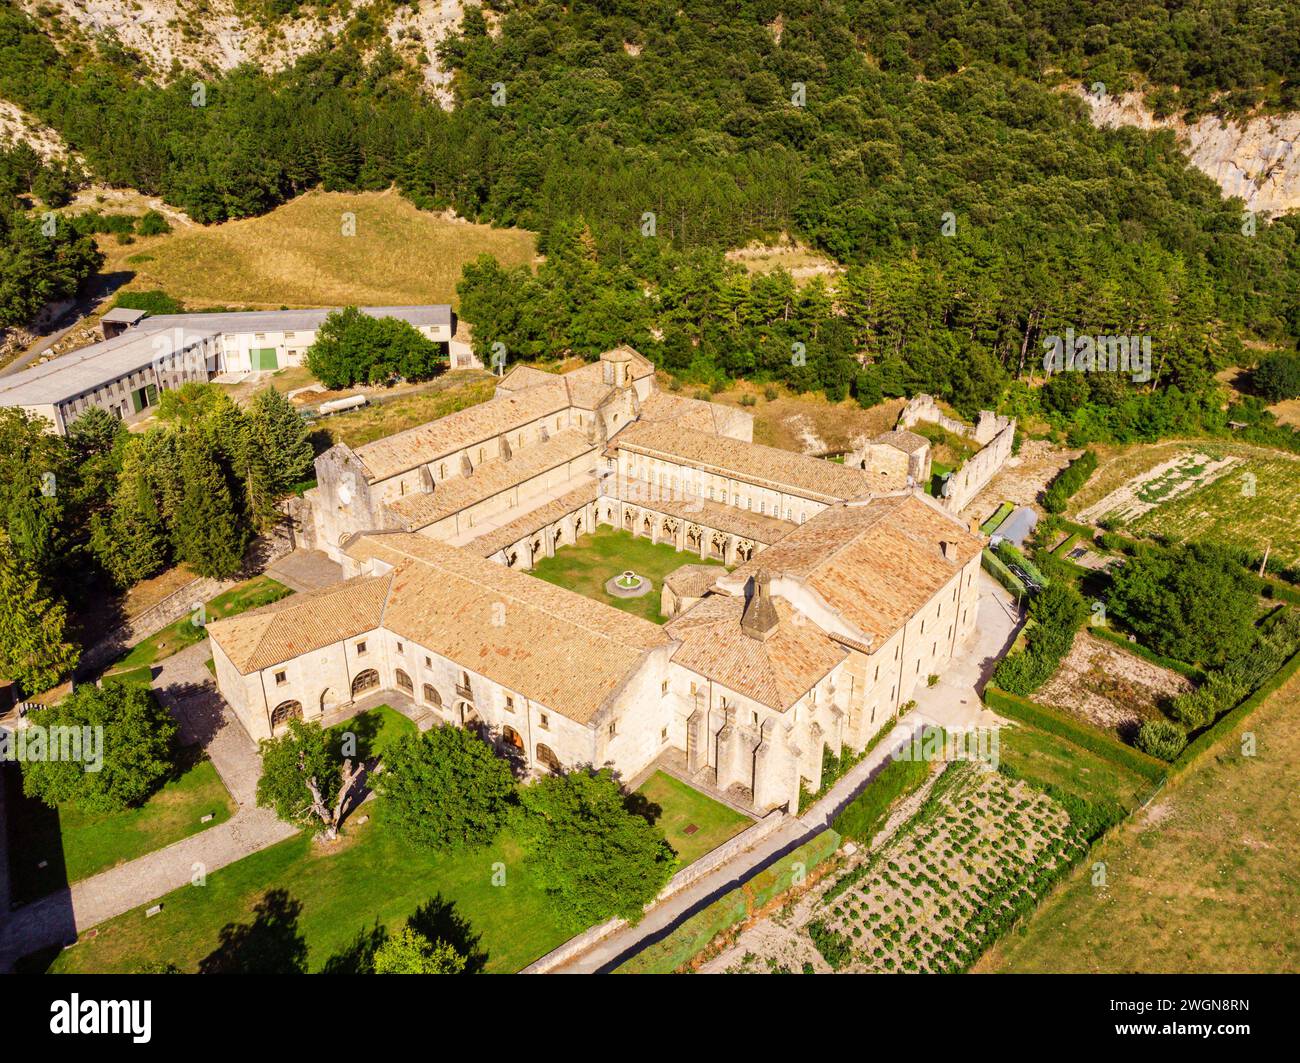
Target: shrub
[[836, 948], [1160, 738], [748, 399], [153, 224], [862, 819], [1068, 481], [770, 393], [1277, 376]]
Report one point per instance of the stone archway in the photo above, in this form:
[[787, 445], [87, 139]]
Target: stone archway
[[512, 738], [367, 680], [284, 712]]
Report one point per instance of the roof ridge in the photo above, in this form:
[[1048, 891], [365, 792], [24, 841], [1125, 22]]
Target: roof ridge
[[550, 589]]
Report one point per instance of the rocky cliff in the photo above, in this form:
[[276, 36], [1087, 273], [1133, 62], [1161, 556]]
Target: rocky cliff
[[1257, 159]]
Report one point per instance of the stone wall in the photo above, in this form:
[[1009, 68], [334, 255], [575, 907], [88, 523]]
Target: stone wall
[[964, 484], [993, 432]]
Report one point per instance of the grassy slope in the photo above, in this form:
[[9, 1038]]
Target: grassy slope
[[297, 256], [1203, 880], [76, 845], [585, 566], [1048, 760], [681, 807]]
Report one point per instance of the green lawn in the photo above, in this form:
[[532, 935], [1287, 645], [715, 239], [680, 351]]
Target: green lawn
[[75, 845], [261, 590], [376, 729], [680, 808], [1048, 760], [299, 903], [593, 559]]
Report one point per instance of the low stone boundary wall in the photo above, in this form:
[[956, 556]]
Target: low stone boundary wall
[[705, 865], [175, 606]]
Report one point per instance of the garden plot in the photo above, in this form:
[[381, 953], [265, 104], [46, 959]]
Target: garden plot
[[1257, 507], [977, 855], [1178, 476], [1111, 689]]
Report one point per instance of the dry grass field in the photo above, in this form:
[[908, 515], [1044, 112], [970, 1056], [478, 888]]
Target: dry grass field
[[298, 255], [1204, 879]]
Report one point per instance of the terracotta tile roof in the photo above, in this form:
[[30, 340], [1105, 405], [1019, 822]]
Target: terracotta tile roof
[[703, 511], [427, 442], [901, 439], [568, 652], [491, 478], [521, 377], [876, 564], [489, 543], [661, 406], [692, 581], [283, 630], [783, 470], [776, 671]]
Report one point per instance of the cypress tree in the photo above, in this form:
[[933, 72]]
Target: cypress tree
[[208, 532], [34, 651]]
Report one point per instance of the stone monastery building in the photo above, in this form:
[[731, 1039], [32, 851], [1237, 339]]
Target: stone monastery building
[[844, 587]]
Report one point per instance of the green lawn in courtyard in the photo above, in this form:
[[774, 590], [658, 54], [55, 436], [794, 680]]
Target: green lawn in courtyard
[[322, 903], [258, 591], [680, 808], [587, 564], [75, 845]]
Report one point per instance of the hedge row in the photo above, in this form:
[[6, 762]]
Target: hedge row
[[994, 567], [1229, 720], [863, 817], [1064, 726], [1068, 481], [1188, 671], [995, 522]]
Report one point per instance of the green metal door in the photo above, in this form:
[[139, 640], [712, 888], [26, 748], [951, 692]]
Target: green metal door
[[264, 358]]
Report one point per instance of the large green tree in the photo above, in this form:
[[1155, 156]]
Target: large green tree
[[34, 649], [307, 780], [594, 856], [283, 437], [1193, 602], [138, 749], [410, 952], [352, 347], [446, 789], [208, 531]]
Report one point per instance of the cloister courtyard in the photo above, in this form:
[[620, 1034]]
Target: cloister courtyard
[[585, 566]]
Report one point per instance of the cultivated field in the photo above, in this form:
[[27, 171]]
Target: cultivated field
[[1108, 688], [1232, 493], [932, 896], [298, 255], [1204, 879]]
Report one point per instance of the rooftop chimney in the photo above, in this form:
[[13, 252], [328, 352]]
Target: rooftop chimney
[[759, 619]]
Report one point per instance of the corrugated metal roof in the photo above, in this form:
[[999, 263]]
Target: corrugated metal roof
[[101, 363]]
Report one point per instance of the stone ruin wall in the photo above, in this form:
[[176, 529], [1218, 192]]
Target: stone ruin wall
[[994, 433]]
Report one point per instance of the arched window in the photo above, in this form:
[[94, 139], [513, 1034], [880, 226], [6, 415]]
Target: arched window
[[284, 712], [547, 758], [404, 682], [367, 680], [432, 696], [511, 736]]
